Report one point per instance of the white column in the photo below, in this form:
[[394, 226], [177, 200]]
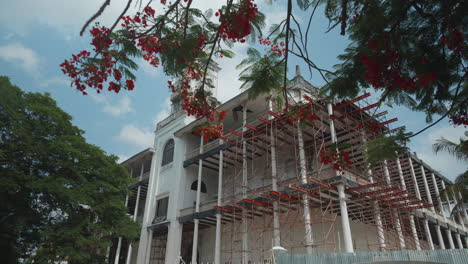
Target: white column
[[197, 205], [146, 234], [459, 242], [412, 224], [378, 218], [459, 213], [439, 237], [218, 214], [142, 170], [245, 235], [135, 214], [450, 238], [274, 183], [436, 188], [303, 172], [446, 197], [396, 216], [415, 233], [465, 215], [426, 186], [415, 181], [428, 234], [466, 241], [348, 241], [119, 243]]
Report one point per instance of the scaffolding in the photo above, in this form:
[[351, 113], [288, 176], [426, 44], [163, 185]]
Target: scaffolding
[[276, 192]]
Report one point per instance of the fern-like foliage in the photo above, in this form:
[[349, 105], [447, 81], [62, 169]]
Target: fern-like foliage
[[261, 75], [385, 147]]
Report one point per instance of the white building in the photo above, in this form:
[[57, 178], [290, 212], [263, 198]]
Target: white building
[[263, 186]]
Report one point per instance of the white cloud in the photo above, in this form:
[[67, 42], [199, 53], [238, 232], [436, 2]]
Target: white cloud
[[27, 58], [55, 81], [164, 112], [122, 107], [115, 108], [149, 69], [443, 162], [136, 137], [122, 158]]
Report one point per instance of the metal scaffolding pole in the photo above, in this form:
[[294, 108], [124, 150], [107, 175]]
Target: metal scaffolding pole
[[303, 172], [197, 205], [245, 235], [218, 213]]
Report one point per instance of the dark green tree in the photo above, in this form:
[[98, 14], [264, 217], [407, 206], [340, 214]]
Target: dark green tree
[[459, 151], [61, 198]]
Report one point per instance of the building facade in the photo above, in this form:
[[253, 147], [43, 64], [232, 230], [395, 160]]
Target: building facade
[[266, 186]]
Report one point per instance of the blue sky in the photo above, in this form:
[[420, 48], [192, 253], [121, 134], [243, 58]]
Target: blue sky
[[36, 36]]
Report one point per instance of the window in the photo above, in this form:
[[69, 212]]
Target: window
[[168, 152], [161, 210], [194, 186]]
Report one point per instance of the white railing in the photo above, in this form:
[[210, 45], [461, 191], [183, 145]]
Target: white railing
[[168, 120]]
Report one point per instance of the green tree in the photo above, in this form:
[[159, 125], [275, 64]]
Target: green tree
[[60, 197], [459, 151]]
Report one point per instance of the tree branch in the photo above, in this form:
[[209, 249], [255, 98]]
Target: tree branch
[[121, 15], [98, 13], [446, 114], [288, 20]]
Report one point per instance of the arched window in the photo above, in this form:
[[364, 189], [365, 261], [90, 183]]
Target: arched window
[[168, 152], [195, 184]]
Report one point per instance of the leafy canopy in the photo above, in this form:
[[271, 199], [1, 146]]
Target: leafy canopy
[[60, 197]]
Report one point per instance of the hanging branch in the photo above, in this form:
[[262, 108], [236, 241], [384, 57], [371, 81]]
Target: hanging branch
[[98, 13], [187, 17], [288, 20], [344, 14], [121, 15], [218, 33], [446, 114]]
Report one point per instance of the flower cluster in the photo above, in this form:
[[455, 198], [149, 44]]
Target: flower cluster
[[235, 25], [383, 68], [95, 72], [276, 49], [459, 119], [339, 159], [196, 103], [301, 113], [372, 127], [209, 132], [454, 41]]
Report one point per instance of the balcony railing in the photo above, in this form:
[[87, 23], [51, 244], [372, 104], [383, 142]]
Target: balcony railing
[[168, 120]]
